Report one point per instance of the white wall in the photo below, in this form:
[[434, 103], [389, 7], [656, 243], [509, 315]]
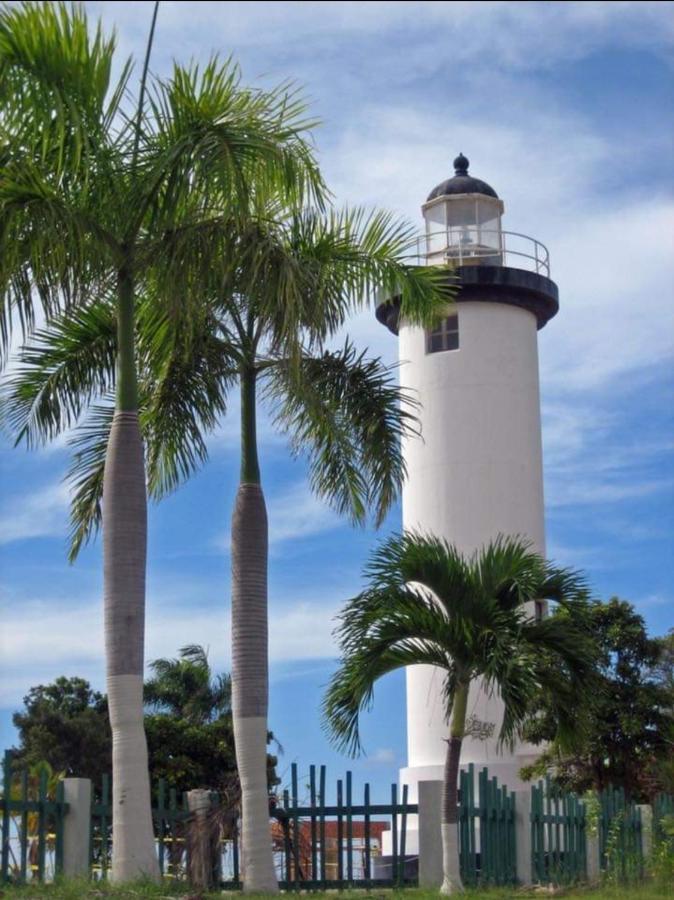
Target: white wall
[[476, 472]]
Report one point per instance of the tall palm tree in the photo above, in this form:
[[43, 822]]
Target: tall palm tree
[[187, 688], [426, 604], [95, 197], [262, 328]]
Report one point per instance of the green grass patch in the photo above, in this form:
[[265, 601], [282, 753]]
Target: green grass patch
[[73, 890]]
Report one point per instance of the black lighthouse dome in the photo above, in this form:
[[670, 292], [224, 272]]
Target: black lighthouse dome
[[462, 182]]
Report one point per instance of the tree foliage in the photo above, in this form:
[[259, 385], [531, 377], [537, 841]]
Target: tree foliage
[[188, 723], [65, 724], [623, 731], [425, 603]]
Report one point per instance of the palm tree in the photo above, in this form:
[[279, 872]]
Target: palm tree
[[187, 688], [426, 604], [262, 327], [95, 198]]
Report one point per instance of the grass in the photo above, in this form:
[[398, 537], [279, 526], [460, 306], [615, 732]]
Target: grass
[[73, 890]]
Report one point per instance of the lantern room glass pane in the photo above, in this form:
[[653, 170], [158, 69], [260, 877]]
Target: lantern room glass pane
[[489, 222], [461, 213], [436, 229]]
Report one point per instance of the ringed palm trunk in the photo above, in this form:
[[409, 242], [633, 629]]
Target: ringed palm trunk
[[250, 677], [124, 561], [451, 866]]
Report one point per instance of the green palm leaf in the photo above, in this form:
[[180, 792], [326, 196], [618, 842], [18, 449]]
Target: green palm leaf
[[347, 413], [470, 617]]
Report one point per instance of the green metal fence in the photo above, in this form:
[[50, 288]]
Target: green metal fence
[[170, 815], [323, 845], [663, 805], [486, 830], [32, 826], [620, 842], [318, 844], [558, 835]]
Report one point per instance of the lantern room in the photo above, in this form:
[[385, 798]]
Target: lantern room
[[463, 221]]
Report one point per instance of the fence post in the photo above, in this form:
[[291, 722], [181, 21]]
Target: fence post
[[430, 834], [77, 827], [646, 811], [592, 855], [203, 841], [523, 848]]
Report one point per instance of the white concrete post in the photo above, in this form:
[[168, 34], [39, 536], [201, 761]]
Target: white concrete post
[[202, 841], [592, 857], [77, 827], [646, 811], [523, 836], [430, 834]]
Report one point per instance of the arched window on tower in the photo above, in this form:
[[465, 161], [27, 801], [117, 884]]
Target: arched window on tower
[[444, 336]]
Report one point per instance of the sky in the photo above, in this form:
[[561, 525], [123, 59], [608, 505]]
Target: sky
[[566, 110]]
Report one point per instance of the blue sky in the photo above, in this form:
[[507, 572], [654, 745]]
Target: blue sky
[[566, 109]]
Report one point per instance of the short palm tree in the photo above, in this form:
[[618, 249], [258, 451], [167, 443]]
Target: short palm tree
[[426, 604], [95, 200], [187, 688]]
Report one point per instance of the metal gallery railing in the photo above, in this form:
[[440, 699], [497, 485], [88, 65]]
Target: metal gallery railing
[[474, 245]]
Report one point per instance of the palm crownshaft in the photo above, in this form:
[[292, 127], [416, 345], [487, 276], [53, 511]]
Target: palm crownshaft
[[426, 604]]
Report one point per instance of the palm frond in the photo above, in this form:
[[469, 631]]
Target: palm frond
[[85, 474], [211, 136], [52, 253], [350, 690], [348, 414], [56, 92], [61, 372], [185, 376]]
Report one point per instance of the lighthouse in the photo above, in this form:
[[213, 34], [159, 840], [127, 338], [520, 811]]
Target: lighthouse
[[476, 471]]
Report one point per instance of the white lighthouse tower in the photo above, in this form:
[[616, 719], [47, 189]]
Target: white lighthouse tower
[[476, 472]]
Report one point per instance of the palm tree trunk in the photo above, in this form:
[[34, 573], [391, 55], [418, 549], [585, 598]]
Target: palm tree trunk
[[124, 560], [250, 676], [451, 865]]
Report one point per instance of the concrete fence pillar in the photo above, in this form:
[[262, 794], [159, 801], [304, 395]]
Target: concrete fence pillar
[[430, 834], [523, 837], [203, 841], [646, 811], [77, 827], [592, 857]]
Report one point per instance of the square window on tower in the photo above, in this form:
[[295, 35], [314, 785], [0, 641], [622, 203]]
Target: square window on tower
[[445, 336]]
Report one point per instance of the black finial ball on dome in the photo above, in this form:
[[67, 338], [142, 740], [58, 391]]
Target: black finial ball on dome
[[461, 164], [462, 182]]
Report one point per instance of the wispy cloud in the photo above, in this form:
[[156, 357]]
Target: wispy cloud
[[297, 513], [383, 756], [43, 638], [41, 513]]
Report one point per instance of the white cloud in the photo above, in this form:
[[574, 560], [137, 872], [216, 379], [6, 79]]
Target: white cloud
[[383, 756], [42, 639], [653, 600], [297, 513], [42, 513], [507, 34]]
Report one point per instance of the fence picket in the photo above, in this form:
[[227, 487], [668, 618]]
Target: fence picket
[[368, 856], [312, 802], [321, 827], [394, 833], [23, 852]]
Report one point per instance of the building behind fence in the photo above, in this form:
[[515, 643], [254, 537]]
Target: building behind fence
[[333, 839]]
